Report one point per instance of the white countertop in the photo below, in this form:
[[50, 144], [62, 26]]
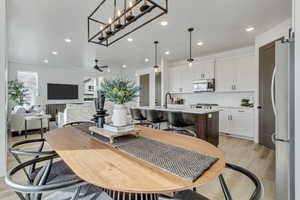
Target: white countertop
[[184, 109]]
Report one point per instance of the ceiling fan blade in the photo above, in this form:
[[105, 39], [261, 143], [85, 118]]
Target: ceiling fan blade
[[103, 67]]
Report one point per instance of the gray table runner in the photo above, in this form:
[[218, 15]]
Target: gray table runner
[[180, 162]]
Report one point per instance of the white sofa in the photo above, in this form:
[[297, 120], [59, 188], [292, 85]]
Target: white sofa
[[85, 112], [17, 122]]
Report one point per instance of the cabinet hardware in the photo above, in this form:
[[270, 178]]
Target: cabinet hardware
[[241, 111]]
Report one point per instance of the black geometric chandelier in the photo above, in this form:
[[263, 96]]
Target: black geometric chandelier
[[113, 20]]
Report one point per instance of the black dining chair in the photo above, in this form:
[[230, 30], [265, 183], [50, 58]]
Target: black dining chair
[[137, 115], [155, 117], [52, 176], [178, 124], [55, 175], [76, 123], [192, 195]]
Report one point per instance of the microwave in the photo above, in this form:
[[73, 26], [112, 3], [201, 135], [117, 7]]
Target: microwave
[[204, 85]]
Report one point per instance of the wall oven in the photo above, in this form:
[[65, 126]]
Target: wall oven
[[204, 85]]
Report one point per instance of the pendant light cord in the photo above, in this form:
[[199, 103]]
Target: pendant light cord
[[156, 42], [190, 44]]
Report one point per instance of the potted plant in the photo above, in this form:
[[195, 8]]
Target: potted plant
[[119, 91], [17, 92]]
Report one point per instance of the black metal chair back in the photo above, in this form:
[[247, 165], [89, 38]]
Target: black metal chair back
[[34, 189], [154, 116], [259, 190], [17, 152], [176, 119], [189, 194], [136, 114], [86, 123]]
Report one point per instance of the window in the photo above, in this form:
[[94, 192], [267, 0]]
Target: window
[[30, 80]]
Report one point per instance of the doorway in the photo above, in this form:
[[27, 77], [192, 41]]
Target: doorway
[[266, 114], [145, 90]]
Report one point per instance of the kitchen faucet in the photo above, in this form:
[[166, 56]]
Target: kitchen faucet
[[166, 99]]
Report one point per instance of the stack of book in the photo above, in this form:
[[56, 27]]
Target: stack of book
[[118, 129]]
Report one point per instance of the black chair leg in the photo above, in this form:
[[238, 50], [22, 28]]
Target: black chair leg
[[226, 192]]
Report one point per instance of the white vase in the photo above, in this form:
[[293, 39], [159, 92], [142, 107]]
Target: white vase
[[119, 117]]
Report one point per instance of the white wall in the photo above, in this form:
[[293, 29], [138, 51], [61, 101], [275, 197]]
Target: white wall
[[297, 100], [50, 74], [281, 30], [3, 78]]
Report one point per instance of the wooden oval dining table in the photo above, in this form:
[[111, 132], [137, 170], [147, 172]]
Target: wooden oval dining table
[[107, 167]]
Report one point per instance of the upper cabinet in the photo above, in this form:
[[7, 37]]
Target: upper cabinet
[[181, 77], [235, 74], [231, 74], [203, 70]]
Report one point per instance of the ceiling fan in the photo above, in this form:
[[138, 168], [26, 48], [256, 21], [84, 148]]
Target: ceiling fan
[[99, 68]]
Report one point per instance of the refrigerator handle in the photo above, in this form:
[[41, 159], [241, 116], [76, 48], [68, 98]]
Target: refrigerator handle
[[272, 91]]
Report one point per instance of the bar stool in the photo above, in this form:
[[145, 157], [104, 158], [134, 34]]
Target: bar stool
[[137, 115], [155, 117], [178, 124]]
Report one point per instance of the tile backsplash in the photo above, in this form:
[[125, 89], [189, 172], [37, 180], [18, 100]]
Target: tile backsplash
[[222, 99]]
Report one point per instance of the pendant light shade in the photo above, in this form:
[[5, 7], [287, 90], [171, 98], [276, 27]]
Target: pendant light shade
[[190, 60], [156, 67]]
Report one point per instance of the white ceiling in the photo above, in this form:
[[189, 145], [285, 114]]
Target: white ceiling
[[37, 27]]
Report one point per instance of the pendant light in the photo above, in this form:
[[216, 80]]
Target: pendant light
[[156, 67], [190, 59]]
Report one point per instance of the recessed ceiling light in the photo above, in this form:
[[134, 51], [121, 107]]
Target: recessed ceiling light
[[164, 23], [129, 39], [54, 52], [46, 61], [68, 40], [249, 29], [146, 60], [167, 52], [200, 43], [108, 70], [124, 66]]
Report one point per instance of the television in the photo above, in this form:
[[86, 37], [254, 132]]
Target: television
[[62, 91]]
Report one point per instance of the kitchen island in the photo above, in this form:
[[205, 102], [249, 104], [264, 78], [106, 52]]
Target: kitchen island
[[206, 121]]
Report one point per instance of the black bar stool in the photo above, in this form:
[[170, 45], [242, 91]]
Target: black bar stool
[[178, 124], [137, 115], [155, 117]]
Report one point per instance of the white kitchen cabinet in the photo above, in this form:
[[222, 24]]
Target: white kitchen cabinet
[[238, 122], [186, 83], [245, 73], [223, 121], [203, 70], [174, 79], [235, 74], [225, 75], [180, 79], [242, 122]]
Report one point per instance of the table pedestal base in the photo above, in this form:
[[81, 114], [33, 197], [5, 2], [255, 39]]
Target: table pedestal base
[[115, 195]]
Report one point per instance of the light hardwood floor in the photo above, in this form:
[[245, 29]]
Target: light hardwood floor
[[254, 157]]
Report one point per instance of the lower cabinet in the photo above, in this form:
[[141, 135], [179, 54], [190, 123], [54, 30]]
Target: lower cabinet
[[239, 122]]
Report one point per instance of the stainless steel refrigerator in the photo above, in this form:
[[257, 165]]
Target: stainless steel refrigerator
[[283, 105]]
